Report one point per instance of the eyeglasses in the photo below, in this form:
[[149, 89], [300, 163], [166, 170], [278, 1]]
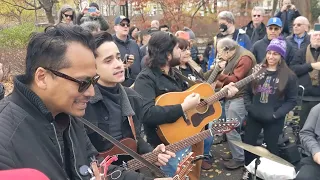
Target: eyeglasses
[[124, 24], [274, 28], [258, 15], [83, 85], [67, 15], [297, 24]]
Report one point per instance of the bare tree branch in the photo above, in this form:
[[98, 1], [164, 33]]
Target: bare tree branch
[[17, 5]]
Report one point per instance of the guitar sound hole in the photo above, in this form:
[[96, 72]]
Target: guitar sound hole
[[197, 118], [202, 109]]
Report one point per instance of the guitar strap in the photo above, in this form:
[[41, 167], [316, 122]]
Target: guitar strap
[[182, 77], [132, 127], [124, 148]]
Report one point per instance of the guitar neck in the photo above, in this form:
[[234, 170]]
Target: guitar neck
[[153, 156], [223, 93], [214, 74]]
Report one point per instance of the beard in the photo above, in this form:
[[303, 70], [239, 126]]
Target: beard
[[175, 61]]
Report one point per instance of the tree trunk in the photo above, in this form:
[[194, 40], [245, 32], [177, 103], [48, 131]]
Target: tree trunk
[[49, 16], [304, 8], [215, 4], [274, 7]]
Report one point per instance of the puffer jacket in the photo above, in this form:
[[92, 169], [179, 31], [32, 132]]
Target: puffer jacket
[[29, 139]]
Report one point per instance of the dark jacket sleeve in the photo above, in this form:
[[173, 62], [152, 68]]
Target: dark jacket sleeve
[[103, 23], [299, 65], [2, 91], [155, 115], [290, 53], [296, 14], [308, 134], [126, 175], [5, 158], [247, 41], [278, 14], [79, 16], [290, 97], [248, 95]]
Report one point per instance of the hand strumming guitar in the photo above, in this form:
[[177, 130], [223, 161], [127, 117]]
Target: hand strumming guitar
[[163, 157], [232, 89], [190, 102]]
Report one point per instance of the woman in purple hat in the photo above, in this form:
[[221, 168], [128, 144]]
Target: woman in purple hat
[[269, 99]]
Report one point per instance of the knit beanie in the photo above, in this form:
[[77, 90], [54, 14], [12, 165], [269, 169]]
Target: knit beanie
[[191, 33], [93, 4], [278, 45]]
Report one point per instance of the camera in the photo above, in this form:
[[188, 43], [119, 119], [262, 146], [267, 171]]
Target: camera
[[92, 10]]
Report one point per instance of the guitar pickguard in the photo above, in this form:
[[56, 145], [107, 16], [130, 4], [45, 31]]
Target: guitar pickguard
[[197, 118]]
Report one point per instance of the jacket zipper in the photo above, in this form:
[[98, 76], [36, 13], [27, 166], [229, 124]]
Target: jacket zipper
[[74, 155], [54, 128]]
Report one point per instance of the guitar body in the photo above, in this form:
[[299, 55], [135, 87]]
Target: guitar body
[[196, 119], [130, 143]]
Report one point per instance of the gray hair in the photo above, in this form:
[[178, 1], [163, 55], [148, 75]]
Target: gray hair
[[261, 9], [226, 15], [227, 44], [91, 26]]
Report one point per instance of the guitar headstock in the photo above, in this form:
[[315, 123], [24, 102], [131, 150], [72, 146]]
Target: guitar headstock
[[184, 167], [223, 126], [258, 71]]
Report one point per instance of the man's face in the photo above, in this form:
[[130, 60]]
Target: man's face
[[257, 17], [286, 2], [315, 39], [109, 64], [299, 26], [175, 57], [122, 29], [164, 29], [62, 95], [273, 31]]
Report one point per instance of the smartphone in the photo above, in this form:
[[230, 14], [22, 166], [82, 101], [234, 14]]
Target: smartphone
[[92, 9]]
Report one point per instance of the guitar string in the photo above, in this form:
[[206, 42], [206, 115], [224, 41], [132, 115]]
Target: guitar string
[[153, 157], [194, 140]]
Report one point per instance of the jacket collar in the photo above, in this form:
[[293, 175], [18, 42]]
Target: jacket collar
[[23, 96], [126, 108], [120, 41]]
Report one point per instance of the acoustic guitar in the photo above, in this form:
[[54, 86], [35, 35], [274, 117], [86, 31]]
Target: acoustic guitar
[[152, 157], [132, 164], [194, 120]]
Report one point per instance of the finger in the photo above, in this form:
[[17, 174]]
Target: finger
[[162, 159], [162, 147], [172, 154], [164, 156], [161, 163]]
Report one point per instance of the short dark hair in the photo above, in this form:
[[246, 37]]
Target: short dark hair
[[47, 49], [101, 38], [183, 44], [159, 47], [164, 26]]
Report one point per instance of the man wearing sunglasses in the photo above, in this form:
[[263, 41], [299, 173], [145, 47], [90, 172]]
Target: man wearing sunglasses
[[39, 120], [129, 49], [256, 29], [300, 38], [274, 28]]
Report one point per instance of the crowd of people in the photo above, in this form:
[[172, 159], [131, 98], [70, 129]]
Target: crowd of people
[[75, 69]]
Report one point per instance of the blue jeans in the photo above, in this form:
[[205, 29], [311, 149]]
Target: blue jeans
[[209, 141], [235, 109], [171, 167]]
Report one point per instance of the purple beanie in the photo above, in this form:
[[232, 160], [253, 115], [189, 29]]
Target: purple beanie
[[278, 45]]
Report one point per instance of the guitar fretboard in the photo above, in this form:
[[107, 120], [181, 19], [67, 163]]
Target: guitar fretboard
[[153, 156], [223, 93], [214, 74]]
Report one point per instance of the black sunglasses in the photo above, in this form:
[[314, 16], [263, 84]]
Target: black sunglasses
[[125, 24], [67, 15], [83, 85]]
